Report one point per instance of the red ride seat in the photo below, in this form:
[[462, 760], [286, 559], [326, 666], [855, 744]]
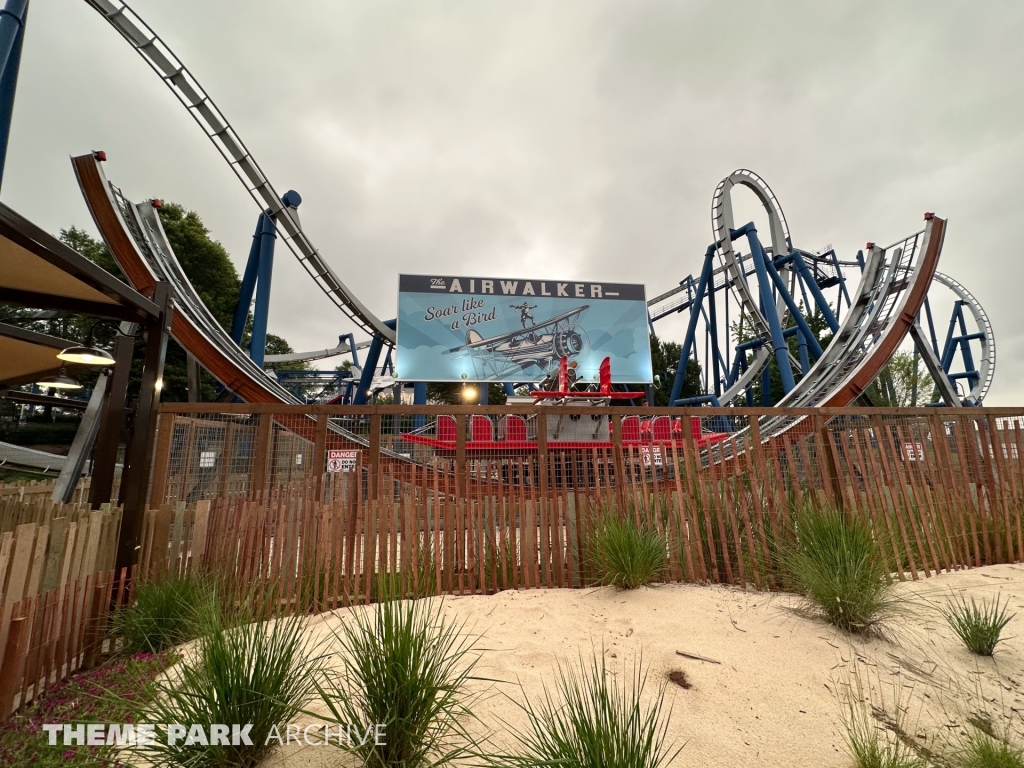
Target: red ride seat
[[446, 428], [512, 428], [661, 429], [631, 429], [481, 430]]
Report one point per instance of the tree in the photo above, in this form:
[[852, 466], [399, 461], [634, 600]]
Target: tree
[[205, 261], [903, 382], [664, 360]]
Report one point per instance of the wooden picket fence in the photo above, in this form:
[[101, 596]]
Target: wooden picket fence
[[42, 490], [941, 490], [56, 583]]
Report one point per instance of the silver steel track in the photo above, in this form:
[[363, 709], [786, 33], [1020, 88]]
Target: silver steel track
[[987, 365], [189, 92], [142, 222]]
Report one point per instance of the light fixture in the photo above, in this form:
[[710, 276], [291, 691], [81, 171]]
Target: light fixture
[[86, 356], [60, 381], [468, 394]]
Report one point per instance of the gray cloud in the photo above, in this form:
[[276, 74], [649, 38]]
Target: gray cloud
[[570, 139]]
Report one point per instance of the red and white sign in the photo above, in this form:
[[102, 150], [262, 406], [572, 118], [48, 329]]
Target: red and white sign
[[342, 461], [913, 451], [646, 452]]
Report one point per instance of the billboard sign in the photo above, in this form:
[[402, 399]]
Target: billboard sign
[[509, 330]]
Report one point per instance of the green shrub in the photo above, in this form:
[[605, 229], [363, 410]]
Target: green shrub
[[403, 665], [979, 626], [625, 554], [836, 564], [590, 720], [260, 673], [167, 611]]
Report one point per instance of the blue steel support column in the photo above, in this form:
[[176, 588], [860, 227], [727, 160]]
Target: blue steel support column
[[352, 348], [715, 353], [779, 346], [805, 363], [812, 286], [258, 343], [949, 348], [510, 389], [12, 32], [482, 394], [252, 266], [931, 327], [684, 357], [370, 366], [794, 310]]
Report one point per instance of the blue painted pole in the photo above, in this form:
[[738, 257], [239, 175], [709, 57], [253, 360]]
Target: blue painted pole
[[252, 266], [949, 347], [370, 366], [265, 274], [702, 285], [12, 32], [965, 350], [716, 355], [352, 348], [779, 346], [791, 305], [812, 286], [931, 327]]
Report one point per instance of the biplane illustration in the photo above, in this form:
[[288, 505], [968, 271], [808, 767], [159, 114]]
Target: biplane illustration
[[541, 345]]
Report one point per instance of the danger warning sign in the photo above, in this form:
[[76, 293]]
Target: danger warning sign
[[342, 461]]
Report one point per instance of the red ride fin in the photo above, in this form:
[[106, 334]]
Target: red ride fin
[[606, 376]]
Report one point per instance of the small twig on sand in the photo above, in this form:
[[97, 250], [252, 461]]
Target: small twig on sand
[[697, 657]]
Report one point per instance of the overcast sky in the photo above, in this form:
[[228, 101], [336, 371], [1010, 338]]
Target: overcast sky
[[576, 140]]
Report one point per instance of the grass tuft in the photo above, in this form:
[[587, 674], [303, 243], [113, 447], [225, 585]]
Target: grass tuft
[[978, 626], [870, 746], [837, 565], [983, 751], [626, 554], [260, 673], [590, 720], [405, 666], [167, 611]]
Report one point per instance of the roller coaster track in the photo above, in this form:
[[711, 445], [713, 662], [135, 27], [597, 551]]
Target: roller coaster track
[[189, 92], [888, 300], [136, 239], [987, 366], [722, 224]]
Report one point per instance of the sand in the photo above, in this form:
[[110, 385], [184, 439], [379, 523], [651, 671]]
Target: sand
[[776, 695]]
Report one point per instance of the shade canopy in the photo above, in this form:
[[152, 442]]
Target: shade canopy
[[38, 271]]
